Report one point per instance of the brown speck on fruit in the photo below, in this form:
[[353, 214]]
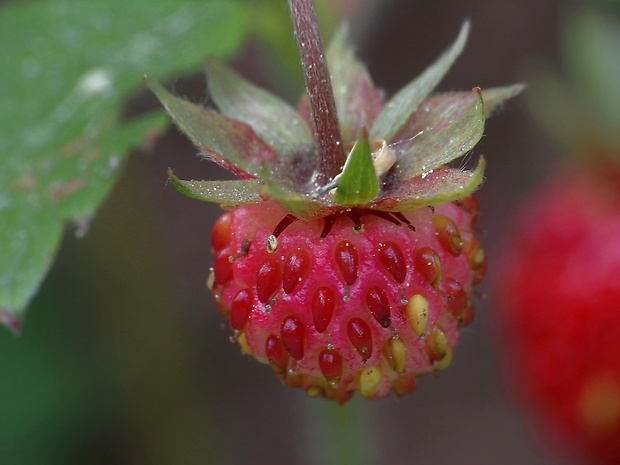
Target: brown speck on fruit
[[243, 250]]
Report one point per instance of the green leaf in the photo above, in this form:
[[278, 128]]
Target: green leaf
[[275, 121], [400, 107], [444, 128], [230, 143], [68, 67], [438, 186], [358, 101], [226, 193], [591, 45], [358, 183]]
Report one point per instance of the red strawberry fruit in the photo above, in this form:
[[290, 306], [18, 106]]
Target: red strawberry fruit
[[348, 257], [560, 312], [559, 290]]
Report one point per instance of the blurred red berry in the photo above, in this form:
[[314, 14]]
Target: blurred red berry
[[559, 311]]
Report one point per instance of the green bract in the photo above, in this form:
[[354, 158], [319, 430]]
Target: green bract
[[359, 183], [399, 153]]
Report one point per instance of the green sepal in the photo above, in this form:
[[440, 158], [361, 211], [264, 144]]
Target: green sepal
[[275, 121], [358, 101], [401, 106], [358, 183], [495, 96], [232, 144], [302, 206], [226, 193], [438, 186], [445, 128]]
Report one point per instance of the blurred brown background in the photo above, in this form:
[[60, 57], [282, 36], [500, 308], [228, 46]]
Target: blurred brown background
[[125, 360]]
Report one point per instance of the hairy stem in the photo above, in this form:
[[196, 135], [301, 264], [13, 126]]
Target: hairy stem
[[318, 85]]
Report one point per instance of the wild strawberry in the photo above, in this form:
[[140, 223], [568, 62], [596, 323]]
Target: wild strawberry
[[558, 292], [560, 315], [348, 259]]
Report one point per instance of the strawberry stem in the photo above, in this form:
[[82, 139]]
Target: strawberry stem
[[318, 85]]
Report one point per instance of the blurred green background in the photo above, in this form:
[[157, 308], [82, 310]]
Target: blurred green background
[[123, 358]]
